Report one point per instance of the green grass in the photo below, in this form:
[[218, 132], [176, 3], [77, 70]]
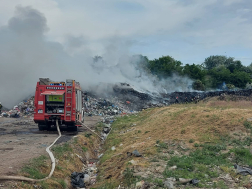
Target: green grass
[[242, 156], [154, 160], [33, 168], [61, 149], [198, 164], [85, 149], [220, 184], [128, 176], [62, 183], [247, 124], [75, 140], [191, 141], [161, 146], [105, 157], [44, 185]]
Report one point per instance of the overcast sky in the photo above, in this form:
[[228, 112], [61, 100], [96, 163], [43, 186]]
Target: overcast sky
[[188, 30]]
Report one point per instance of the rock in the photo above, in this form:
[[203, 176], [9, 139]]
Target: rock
[[176, 153], [140, 184], [173, 167], [169, 183], [160, 169], [113, 148], [138, 174], [146, 185], [227, 178], [133, 162]]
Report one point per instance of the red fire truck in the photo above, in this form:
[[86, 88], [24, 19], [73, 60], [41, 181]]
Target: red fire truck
[[58, 100]]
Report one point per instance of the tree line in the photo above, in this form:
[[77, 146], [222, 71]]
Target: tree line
[[215, 72]]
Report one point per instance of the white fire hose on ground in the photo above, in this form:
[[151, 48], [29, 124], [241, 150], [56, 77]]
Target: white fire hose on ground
[[21, 178]]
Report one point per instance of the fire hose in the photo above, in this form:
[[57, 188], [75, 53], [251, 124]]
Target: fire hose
[[21, 178]]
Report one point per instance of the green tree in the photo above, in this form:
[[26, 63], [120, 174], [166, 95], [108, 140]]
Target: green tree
[[240, 79], [165, 66], [219, 75], [194, 72], [198, 85], [218, 60]]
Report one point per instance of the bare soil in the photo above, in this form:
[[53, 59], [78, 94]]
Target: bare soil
[[20, 141]]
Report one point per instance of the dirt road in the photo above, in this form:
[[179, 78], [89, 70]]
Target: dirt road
[[20, 140]]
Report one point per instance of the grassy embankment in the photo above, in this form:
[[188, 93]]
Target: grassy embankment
[[203, 140], [66, 163]]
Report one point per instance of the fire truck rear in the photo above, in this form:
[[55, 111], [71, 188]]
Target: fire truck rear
[[58, 100]]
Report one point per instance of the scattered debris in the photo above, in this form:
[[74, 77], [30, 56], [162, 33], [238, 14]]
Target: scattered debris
[[194, 181], [113, 148], [184, 181], [77, 180], [136, 153], [140, 184], [243, 170]]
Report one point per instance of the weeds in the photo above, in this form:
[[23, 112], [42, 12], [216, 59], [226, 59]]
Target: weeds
[[128, 176], [247, 124], [60, 150], [33, 168], [154, 160], [75, 140], [62, 183], [44, 185], [242, 156], [191, 141], [183, 131], [161, 145], [196, 145], [88, 135], [85, 149], [198, 164]]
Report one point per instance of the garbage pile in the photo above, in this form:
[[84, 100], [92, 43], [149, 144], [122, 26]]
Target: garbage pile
[[127, 99], [104, 107], [85, 178], [23, 109]]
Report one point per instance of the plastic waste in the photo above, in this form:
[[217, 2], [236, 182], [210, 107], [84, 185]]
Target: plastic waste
[[77, 180]]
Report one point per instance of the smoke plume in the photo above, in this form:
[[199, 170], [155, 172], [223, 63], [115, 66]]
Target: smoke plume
[[26, 55]]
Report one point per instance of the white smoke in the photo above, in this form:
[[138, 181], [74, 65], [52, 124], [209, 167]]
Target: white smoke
[[26, 55]]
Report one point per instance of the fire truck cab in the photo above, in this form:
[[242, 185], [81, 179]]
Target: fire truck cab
[[58, 100]]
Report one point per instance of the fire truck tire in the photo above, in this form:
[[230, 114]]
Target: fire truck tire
[[74, 128]]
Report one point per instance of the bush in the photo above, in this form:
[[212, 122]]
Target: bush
[[247, 124], [198, 85], [191, 141]]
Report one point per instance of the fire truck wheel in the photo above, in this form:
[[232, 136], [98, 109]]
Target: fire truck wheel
[[74, 128]]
